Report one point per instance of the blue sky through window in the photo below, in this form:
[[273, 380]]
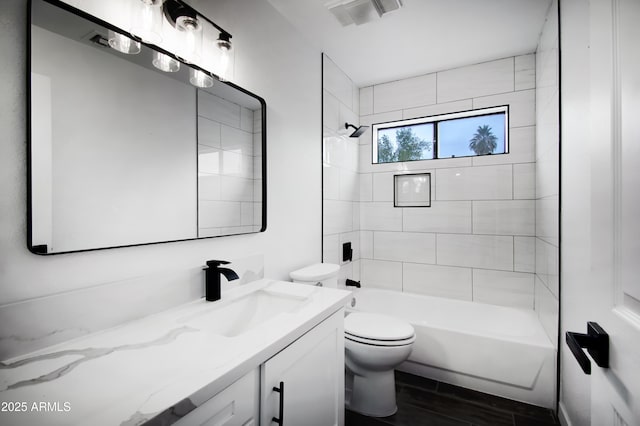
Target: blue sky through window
[[454, 135]]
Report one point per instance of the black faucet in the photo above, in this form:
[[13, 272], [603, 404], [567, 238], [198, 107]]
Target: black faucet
[[212, 278]]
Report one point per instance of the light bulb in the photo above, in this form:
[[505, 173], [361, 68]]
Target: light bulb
[[123, 44], [224, 44], [192, 31], [200, 79], [147, 20], [165, 62]]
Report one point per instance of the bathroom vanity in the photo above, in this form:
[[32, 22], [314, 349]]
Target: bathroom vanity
[[269, 350]]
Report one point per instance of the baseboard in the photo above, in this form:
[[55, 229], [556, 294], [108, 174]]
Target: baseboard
[[562, 416]]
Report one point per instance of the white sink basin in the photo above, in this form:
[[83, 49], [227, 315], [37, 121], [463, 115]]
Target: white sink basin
[[243, 314]]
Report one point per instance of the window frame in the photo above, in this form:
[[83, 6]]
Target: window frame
[[435, 120]]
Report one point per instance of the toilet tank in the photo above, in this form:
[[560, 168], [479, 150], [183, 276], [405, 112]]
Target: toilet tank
[[320, 274]]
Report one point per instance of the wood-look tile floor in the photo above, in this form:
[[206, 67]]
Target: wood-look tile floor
[[425, 402]]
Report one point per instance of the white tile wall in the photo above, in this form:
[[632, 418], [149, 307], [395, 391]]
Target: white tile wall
[[436, 280], [381, 274], [442, 216], [476, 251], [524, 253], [513, 289], [548, 309], [404, 247], [522, 109], [407, 93], [512, 217], [218, 109], [475, 183], [524, 181], [476, 80], [483, 212], [338, 217], [525, 72], [366, 100], [380, 217]]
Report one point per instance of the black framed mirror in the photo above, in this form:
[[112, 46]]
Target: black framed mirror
[[122, 153]]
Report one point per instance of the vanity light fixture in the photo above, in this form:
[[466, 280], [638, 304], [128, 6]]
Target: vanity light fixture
[[185, 20], [147, 20], [224, 44], [199, 78], [165, 62], [123, 44]]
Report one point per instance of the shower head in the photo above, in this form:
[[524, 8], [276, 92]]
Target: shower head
[[358, 130]]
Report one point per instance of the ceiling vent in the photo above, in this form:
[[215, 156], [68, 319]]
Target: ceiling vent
[[361, 11]]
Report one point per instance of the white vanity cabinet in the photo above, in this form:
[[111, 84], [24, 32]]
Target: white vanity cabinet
[[236, 405], [312, 372]]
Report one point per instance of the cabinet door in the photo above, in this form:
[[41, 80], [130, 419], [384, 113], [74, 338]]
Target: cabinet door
[[312, 370], [237, 405]]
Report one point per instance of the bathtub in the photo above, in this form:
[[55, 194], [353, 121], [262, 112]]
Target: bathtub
[[493, 349]]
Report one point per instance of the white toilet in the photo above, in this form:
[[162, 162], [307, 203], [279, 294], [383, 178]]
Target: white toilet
[[374, 345]]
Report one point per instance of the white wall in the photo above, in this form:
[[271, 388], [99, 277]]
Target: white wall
[[575, 393], [44, 300], [476, 241]]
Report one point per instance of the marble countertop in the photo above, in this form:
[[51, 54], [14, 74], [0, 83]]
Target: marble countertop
[[153, 367]]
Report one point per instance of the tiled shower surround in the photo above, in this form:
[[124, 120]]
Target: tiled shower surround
[[477, 240]]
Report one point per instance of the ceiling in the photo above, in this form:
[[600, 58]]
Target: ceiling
[[422, 37]]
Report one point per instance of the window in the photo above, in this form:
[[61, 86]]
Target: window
[[461, 134]]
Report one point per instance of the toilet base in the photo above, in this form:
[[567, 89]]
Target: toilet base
[[373, 395]]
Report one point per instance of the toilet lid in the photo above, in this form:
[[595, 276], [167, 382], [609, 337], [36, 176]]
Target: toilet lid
[[377, 327]]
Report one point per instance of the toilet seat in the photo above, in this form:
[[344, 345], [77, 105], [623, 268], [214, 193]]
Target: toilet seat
[[378, 330]]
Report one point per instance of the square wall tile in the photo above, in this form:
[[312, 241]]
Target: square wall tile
[[451, 217], [381, 274], [405, 93], [366, 100], [383, 186], [349, 185], [475, 251], [208, 132], [437, 109], [474, 183], [404, 247], [513, 289], [522, 106], [439, 281], [525, 72], [487, 78], [548, 309], [366, 244], [547, 219], [511, 217], [380, 217], [337, 217], [524, 181], [236, 140], [208, 187], [331, 249], [218, 109], [366, 186], [330, 182], [547, 261], [234, 188], [524, 254]]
